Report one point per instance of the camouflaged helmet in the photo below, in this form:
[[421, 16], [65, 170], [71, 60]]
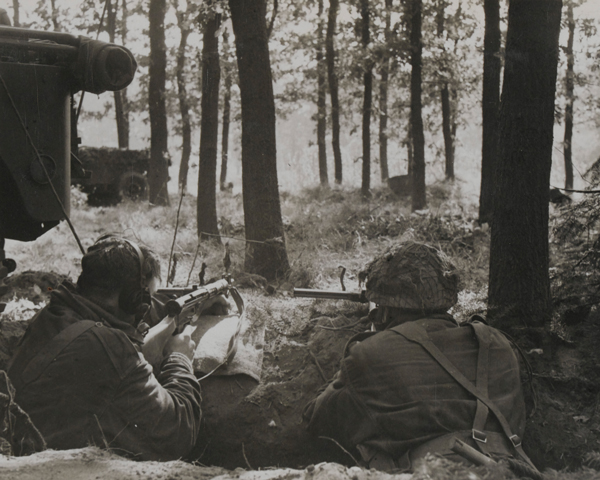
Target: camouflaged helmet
[[413, 277]]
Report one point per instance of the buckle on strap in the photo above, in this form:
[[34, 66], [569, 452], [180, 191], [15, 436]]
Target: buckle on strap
[[480, 436], [516, 441]]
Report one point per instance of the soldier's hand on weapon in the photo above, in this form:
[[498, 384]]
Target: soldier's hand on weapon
[[181, 343], [219, 305]]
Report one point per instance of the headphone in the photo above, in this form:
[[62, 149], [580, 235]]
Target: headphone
[[132, 300]]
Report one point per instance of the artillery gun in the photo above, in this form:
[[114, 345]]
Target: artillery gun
[[40, 72]]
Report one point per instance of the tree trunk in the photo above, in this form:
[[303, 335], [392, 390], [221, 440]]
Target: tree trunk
[[265, 242], [120, 98], [570, 99], [158, 172], [490, 104], [446, 105], [384, 73], [333, 89], [519, 291], [367, 101], [419, 200], [321, 101], [409, 151], [184, 107], [16, 19], [209, 132], [54, 16], [227, 70]]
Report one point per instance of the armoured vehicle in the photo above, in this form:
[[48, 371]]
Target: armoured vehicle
[[39, 74], [114, 174]]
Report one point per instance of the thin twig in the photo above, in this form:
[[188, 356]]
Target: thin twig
[[175, 232], [356, 213], [345, 451], [102, 432], [193, 264], [318, 365], [232, 238], [246, 458]]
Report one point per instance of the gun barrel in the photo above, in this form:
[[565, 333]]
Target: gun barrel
[[331, 294], [178, 292], [26, 33], [179, 305]]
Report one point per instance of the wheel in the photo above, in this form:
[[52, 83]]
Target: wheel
[[133, 186]]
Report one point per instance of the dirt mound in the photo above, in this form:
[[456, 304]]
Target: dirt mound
[[32, 285], [254, 425], [96, 463]]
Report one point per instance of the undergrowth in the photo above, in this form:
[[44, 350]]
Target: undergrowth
[[327, 230]]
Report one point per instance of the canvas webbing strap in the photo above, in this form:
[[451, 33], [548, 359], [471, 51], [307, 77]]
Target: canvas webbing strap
[[481, 414], [415, 333], [53, 348]]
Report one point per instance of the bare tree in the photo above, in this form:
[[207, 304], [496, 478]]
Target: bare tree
[[447, 115], [158, 172], [419, 199], [227, 70], [184, 22], [120, 97], [16, 9], [265, 242], [519, 291], [321, 100], [490, 105], [333, 88], [367, 100], [570, 99], [384, 73], [209, 130]]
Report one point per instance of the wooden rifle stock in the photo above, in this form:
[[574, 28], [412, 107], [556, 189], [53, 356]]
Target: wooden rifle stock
[[331, 295]]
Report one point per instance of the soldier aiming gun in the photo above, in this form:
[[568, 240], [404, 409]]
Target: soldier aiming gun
[[83, 370], [422, 381]]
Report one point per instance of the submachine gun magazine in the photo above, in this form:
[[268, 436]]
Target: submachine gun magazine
[[331, 295]]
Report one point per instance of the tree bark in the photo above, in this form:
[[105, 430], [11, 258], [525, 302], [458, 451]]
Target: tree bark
[[54, 16], [367, 101], [120, 96], [184, 107], [419, 200], [384, 73], [321, 101], [16, 8], [158, 172], [333, 89], [209, 132], [227, 70], [490, 104], [570, 99], [265, 242], [519, 291], [446, 105]]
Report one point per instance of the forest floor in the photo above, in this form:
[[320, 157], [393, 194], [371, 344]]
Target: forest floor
[[256, 426]]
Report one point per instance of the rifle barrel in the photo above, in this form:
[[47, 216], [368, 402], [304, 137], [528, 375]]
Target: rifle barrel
[[331, 294]]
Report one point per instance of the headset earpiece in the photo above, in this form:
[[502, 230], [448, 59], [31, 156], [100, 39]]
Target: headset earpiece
[[131, 299]]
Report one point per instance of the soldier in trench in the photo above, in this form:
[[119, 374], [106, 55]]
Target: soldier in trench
[[81, 369], [421, 380]]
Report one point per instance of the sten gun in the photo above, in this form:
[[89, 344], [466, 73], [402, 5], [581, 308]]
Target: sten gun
[[187, 303], [190, 300], [360, 297]]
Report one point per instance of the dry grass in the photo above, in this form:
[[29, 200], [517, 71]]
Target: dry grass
[[325, 229]]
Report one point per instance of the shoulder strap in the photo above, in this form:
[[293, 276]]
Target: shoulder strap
[[415, 333], [53, 348], [481, 414]]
